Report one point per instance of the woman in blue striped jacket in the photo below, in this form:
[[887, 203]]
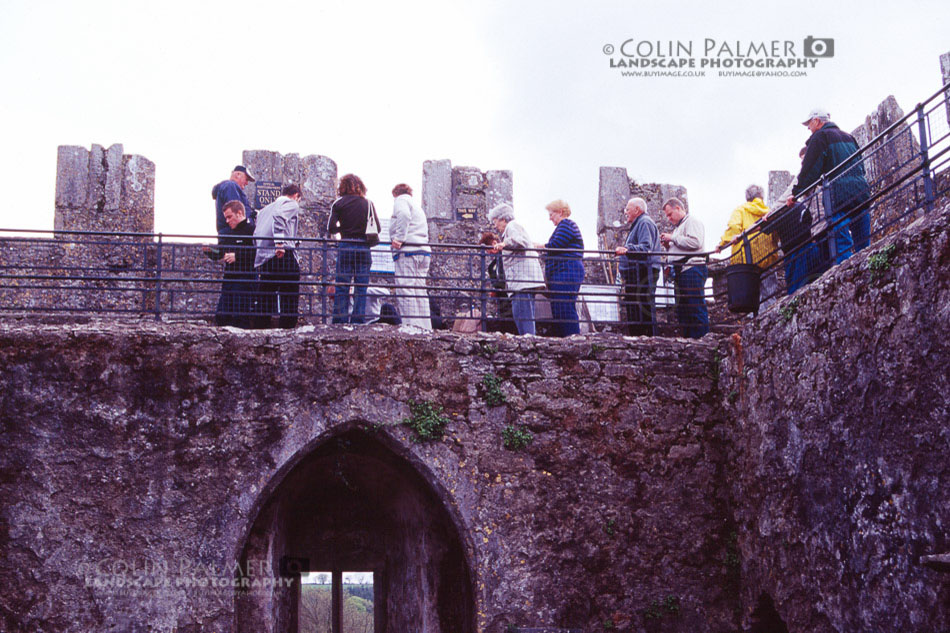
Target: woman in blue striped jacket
[[564, 268]]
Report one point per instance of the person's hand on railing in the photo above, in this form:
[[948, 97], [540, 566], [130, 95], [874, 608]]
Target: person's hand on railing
[[396, 244], [496, 247], [211, 252], [621, 250], [229, 258]]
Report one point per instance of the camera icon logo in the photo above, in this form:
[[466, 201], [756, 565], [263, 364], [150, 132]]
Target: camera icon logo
[[819, 47]]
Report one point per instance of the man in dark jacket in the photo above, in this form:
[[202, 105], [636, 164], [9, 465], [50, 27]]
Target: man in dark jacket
[[639, 267], [232, 189], [827, 148], [237, 250]]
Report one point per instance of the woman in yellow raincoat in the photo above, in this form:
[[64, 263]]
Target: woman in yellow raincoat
[[764, 249]]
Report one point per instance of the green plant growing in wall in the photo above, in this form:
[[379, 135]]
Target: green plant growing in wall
[[610, 527], [789, 310], [662, 607], [426, 420], [491, 390], [716, 369], [516, 438], [486, 349], [881, 261]]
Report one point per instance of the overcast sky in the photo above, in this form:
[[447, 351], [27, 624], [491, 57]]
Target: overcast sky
[[380, 87]]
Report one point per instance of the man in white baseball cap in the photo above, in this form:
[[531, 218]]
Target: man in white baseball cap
[[826, 149]]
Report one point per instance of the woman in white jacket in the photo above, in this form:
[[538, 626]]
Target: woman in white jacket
[[523, 276]]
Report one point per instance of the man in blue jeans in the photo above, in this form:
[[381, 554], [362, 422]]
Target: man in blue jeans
[[827, 148], [685, 245]]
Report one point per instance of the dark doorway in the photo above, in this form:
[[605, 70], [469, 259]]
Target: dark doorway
[[765, 617], [350, 511]]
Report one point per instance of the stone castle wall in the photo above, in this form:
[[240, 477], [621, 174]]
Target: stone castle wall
[[118, 453], [802, 461], [839, 469], [670, 485]]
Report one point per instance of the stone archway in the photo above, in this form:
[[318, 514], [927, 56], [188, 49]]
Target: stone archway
[[353, 504]]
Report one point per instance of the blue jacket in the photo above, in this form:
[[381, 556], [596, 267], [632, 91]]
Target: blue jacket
[[223, 193], [827, 148], [643, 238], [565, 266]]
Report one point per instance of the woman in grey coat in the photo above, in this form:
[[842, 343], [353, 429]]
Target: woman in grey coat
[[523, 275]]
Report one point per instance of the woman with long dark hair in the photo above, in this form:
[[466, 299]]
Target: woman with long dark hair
[[349, 218]]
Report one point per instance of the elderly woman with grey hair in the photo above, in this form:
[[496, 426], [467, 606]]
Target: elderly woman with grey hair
[[523, 276], [762, 246]]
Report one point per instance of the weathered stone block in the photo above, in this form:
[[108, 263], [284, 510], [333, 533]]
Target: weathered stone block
[[103, 190], [105, 178], [778, 183], [437, 189], [291, 169], [138, 192], [612, 197], [72, 177], [945, 79], [500, 188], [318, 178]]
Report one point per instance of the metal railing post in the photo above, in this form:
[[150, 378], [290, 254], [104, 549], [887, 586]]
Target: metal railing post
[[309, 246], [158, 280], [747, 248], [482, 284], [323, 282], [925, 159]]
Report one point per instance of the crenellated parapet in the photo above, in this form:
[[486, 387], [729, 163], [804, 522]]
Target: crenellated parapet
[[102, 189]]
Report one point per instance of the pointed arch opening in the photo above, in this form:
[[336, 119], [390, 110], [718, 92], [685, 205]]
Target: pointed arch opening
[[354, 505]]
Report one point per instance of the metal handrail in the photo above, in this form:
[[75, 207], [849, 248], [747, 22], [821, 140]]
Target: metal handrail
[[882, 135], [902, 182], [172, 279]]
